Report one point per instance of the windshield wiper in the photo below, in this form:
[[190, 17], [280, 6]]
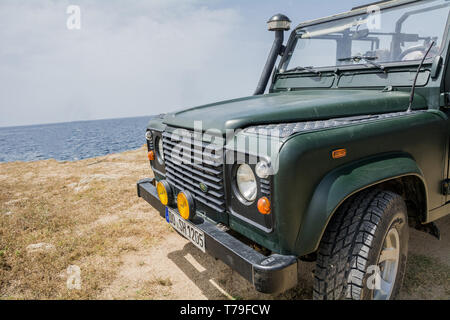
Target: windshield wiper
[[368, 59], [310, 69]]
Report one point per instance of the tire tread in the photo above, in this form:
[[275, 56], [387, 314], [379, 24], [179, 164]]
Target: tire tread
[[343, 252]]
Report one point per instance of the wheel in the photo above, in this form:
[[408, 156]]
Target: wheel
[[363, 252]]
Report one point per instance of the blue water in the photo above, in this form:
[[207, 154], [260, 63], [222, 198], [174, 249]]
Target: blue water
[[71, 140]]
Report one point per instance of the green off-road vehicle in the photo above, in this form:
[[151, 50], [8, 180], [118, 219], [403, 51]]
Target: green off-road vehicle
[[349, 148]]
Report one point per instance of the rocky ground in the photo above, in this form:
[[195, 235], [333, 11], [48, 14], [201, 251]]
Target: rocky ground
[[76, 230]]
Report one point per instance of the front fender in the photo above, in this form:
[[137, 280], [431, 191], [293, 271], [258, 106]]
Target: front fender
[[344, 181]]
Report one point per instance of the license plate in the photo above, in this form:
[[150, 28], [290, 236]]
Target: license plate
[[187, 229]]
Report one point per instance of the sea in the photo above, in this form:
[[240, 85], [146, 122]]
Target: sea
[[72, 141]]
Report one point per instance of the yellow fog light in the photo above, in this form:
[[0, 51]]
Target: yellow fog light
[[163, 190], [185, 203]]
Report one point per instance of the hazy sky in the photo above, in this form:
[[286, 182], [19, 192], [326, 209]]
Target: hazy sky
[[134, 57]]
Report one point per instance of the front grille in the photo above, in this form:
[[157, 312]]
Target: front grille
[[192, 163], [264, 186]]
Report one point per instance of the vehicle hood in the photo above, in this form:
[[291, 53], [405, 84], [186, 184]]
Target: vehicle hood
[[292, 106]]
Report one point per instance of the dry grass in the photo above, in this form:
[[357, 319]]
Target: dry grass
[[427, 278], [87, 210]]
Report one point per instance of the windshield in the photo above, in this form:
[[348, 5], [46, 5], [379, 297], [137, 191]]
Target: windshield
[[393, 35]]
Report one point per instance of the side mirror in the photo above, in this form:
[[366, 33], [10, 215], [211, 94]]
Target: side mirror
[[436, 67]]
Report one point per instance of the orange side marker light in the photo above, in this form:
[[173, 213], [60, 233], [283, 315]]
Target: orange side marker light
[[339, 153]]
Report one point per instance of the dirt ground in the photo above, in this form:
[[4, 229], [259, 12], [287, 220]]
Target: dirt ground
[[76, 230]]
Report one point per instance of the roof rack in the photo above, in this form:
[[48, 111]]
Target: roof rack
[[356, 11], [370, 4]]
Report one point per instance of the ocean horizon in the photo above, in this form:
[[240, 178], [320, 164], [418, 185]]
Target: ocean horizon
[[71, 141]]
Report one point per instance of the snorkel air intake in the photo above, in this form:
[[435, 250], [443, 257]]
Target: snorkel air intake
[[278, 23]]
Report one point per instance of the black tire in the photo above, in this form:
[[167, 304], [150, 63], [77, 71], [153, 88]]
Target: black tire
[[353, 241]]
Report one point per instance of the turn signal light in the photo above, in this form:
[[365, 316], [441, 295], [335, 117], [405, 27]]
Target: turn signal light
[[264, 205], [162, 193], [339, 153], [151, 155]]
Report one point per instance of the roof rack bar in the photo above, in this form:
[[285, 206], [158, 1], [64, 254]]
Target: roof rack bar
[[369, 4]]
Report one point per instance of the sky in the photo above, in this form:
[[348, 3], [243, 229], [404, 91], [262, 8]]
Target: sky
[[135, 57]]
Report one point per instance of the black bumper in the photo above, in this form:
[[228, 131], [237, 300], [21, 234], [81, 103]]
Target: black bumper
[[272, 274]]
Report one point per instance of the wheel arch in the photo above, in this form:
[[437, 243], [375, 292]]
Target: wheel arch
[[397, 172]]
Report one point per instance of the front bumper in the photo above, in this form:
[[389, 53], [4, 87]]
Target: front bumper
[[273, 274]]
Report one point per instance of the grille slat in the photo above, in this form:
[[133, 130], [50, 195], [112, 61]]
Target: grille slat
[[196, 163], [203, 145], [178, 162], [196, 196], [171, 167], [191, 157], [193, 183], [198, 152], [196, 172]]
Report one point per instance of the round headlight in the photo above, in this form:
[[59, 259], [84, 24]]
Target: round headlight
[[148, 135], [246, 182], [159, 150]]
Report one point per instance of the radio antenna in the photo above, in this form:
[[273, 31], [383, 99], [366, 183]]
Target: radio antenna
[[413, 89]]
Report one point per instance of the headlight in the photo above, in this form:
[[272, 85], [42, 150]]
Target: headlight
[[159, 151], [246, 182], [148, 135]]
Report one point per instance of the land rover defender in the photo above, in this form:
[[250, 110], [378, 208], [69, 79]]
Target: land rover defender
[[346, 151]]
